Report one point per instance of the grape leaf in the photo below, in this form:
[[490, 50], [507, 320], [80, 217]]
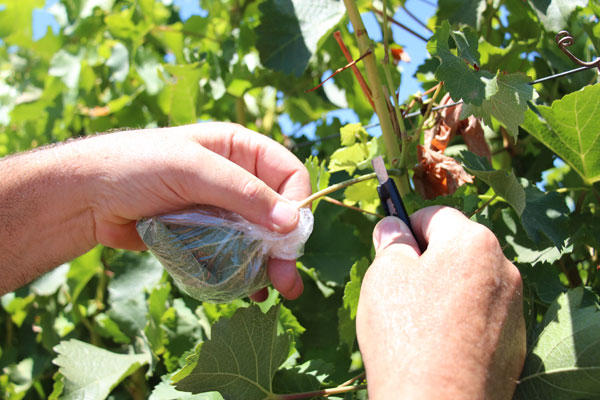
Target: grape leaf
[[352, 289], [306, 377], [460, 80], [184, 92], [118, 62], [545, 214], [91, 372], [546, 282], [319, 177], [51, 281], [569, 128], [554, 14], [350, 133], [242, 356], [347, 313], [358, 155], [333, 258], [563, 362], [290, 30], [504, 184], [467, 12], [503, 97], [364, 194], [82, 270], [67, 67], [165, 391], [506, 98]]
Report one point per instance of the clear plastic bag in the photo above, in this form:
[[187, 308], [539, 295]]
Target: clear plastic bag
[[216, 255]]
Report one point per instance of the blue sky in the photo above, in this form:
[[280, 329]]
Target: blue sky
[[415, 47]]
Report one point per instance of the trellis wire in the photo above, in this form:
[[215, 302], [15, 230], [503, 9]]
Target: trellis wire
[[417, 113]]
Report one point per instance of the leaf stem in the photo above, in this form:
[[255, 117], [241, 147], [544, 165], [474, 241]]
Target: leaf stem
[[337, 186], [484, 205], [417, 133], [339, 203], [357, 377], [323, 392]]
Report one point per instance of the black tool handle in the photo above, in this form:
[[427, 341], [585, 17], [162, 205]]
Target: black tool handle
[[389, 191]]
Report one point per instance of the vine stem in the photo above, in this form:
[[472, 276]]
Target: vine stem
[[417, 133], [484, 205], [339, 203], [337, 186], [323, 392], [364, 43]]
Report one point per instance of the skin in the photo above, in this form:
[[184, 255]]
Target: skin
[[66, 199], [445, 324]]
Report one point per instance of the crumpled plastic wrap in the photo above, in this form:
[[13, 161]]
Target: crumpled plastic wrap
[[216, 255]]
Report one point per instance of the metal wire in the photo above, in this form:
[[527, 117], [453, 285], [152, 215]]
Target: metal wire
[[417, 113]]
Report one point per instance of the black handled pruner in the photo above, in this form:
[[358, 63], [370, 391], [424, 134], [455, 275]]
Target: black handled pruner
[[389, 195]]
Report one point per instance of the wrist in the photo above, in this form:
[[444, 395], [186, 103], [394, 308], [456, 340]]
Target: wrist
[[44, 193]]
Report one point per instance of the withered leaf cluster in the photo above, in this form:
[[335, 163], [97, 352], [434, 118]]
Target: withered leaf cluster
[[438, 174]]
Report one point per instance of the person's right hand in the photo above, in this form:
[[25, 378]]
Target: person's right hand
[[445, 324]]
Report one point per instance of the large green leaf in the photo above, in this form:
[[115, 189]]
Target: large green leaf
[[467, 12], [506, 98], [183, 97], [505, 184], [91, 372], [290, 30], [498, 95], [241, 357], [563, 363], [545, 215], [462, 81], [554, 14], [570, 128]]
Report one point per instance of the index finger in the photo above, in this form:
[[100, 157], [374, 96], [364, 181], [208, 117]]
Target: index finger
[[438, 224], [256, 153]]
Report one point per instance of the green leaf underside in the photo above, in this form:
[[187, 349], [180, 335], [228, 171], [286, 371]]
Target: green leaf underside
[[504, 184], [467, 12], [91, 372], [564, 361], [554, 14], [241, 357], [570, 129], [291, 29]]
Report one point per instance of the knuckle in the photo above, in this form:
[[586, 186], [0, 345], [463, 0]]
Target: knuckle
[[484, 238], [252, 191]]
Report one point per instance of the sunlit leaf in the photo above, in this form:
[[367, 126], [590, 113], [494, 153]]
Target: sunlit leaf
[[562, 363], [242, 356], [569, 128], [291, 29]]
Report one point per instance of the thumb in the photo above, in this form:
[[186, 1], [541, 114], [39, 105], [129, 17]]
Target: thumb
[[392, 232]]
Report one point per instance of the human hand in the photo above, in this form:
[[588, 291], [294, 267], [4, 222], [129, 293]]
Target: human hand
[[152, 172], [445, 324]]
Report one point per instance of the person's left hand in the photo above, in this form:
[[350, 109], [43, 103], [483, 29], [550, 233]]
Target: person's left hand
[[151, 172]]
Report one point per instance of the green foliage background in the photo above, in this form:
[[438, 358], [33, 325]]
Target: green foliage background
[[111, 323]]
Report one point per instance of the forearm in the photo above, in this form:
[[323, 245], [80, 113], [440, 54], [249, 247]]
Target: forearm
[[45, 216]]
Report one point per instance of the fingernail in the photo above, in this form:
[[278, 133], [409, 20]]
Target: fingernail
[[284, 215], [386, 232]]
